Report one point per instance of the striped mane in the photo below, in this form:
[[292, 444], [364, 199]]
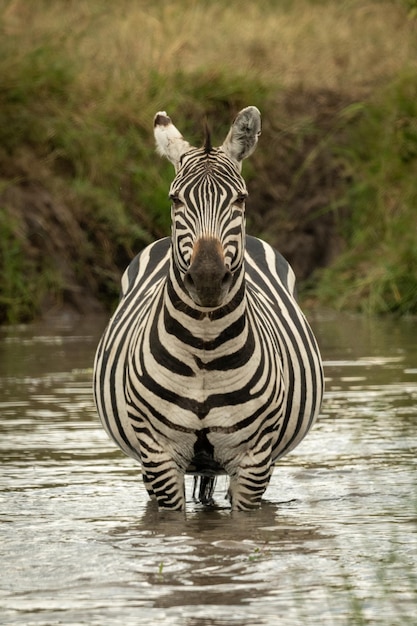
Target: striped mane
[[207, 138]]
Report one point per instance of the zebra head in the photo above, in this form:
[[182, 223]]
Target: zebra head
[[208, 197]]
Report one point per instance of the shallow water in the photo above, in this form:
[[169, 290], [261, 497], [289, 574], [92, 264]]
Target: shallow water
[[335, 541]]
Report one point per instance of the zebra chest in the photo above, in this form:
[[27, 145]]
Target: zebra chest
[[196, 389], [197, 380]]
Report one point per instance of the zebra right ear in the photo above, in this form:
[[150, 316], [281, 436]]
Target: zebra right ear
[[243, 135], [169, 141]]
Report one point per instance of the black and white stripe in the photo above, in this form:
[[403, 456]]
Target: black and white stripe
[[229, 387]]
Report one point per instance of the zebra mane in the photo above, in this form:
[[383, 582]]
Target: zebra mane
[[207, 138]]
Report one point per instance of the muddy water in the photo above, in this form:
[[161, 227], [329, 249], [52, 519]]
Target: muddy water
[[334, 543]]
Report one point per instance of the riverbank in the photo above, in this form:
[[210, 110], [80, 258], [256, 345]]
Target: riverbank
[[332, 184]]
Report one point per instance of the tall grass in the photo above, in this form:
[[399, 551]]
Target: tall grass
[[378, 271], [80, 83]]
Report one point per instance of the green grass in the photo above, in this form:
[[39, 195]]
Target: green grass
[[377, 272], [78, 92], [24, 282]]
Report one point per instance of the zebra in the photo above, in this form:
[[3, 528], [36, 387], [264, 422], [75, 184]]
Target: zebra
[[208, 366]]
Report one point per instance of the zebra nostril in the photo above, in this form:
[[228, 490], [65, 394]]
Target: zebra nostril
[[227, 279], [188, 281]]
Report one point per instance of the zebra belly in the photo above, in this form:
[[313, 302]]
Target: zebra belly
[[201, 431], [203, 428]]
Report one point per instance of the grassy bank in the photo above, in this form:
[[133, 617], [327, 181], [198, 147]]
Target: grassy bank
[[81, 189], [378, 270]]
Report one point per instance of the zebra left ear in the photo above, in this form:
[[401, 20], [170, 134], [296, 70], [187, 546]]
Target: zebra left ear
[[243, 135], [169, 141]]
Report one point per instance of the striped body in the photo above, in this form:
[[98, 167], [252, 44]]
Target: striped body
[[187, 386]]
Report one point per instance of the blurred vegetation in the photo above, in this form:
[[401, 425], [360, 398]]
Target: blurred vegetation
[[378, 270], [82, 191]]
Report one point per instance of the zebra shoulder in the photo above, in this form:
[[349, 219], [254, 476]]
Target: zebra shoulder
[[151, 260], [270, 261]]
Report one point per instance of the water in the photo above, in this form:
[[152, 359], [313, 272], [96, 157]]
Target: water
[[334, 543]]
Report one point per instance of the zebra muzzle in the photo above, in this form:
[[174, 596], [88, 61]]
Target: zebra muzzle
[[208, 279]]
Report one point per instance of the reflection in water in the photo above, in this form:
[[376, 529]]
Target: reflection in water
[[209, 551], [334, 543]]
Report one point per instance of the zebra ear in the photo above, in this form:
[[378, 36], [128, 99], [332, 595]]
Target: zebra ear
[[169, 141], [243, 135]]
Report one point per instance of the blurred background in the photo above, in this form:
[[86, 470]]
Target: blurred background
[[333, 183]]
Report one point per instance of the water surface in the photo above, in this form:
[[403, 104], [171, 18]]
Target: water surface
[[335, 541]]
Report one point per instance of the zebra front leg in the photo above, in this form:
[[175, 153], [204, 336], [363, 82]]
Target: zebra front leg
[[249, 481], [164, 481], [148, 485]]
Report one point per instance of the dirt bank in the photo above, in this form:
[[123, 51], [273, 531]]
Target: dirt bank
[[75, 259]]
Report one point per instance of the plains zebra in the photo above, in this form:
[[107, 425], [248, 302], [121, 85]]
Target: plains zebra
[[208, 365]]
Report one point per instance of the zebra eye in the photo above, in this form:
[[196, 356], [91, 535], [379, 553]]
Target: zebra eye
[[240, 200], [176, 202]]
